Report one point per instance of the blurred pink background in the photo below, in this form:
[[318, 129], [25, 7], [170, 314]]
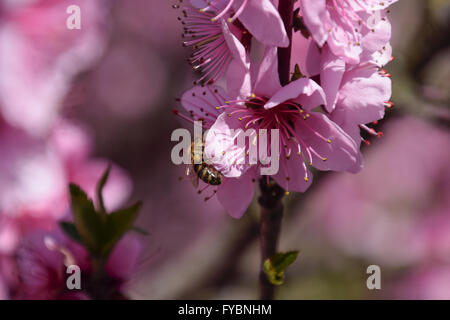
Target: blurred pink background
[[72, 101]]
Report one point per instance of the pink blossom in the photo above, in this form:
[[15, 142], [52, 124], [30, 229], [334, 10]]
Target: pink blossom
[[356, 95], [398, 201], [250, 13], [201, 103], [39, 56], [428, 282], [3, 290], [354, 30], [219, 42], [306, 136], [42, 260], [35, 173]]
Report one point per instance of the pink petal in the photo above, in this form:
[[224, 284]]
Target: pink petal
[[363, 94], [292, 173], [262, 20], [341, 152], [124, 258], [221, 148], [203, 101], [236, 194], [238, 73], [237, 49], [314, 14], [333, 69], [338, 44], [267, 80], [304, 91], [238, 80], [379, 37], [306, 54]]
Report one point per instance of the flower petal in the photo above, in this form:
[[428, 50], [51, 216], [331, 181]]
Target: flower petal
[[238, 80], [304, 91], [236, 194], [222, 150], [267, 78], [203, 101], [314, 14], [262, 20], [335, 149], [306, 54], [293, 175], [363, 94], [124, 258], [333, 69], [237, 49]]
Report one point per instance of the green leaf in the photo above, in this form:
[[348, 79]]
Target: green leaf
[[117, 224], [70, 230], [297, 73], [281, 261], [88, 222], [101, 184], [274, 267]]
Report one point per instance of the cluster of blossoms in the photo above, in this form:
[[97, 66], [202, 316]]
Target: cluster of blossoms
[[338, 90], [375, 217], [42, 152]]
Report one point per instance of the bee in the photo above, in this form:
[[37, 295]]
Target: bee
[[206, 172]]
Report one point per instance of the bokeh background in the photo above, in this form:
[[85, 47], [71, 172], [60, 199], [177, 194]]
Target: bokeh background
[[118, 89]]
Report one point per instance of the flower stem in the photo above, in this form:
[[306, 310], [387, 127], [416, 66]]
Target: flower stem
[[271, 192], [269, 230]]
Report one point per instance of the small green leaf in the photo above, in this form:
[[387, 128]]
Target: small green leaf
[[297, 73], [100, 186], [88, 222], [117, 224], [274, 267], [70, 230], [281, 261]]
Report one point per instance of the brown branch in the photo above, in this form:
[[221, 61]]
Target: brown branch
[[272, 193], [286, 10], [269, 230]]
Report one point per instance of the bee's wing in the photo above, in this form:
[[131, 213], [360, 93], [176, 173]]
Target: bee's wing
[[193, 176]]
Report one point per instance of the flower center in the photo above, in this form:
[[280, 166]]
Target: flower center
[[286, 117]]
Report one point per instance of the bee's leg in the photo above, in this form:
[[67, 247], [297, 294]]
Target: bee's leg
[[214, 193], [206, 187]]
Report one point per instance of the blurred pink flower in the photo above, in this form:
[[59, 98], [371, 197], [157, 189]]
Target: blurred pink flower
[[395, 212], [39, 56], [42, 259], [429, 282], [353, 30], [35, 173]]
